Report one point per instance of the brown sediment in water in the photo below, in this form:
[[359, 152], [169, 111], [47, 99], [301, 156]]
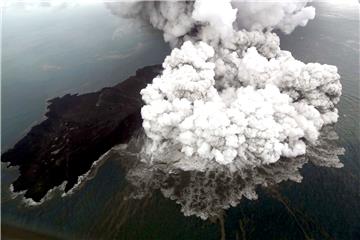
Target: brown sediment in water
[[13, 232], [304, 222], [222, 227]]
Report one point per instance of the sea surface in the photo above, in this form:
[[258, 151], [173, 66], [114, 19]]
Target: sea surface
[[47, 53]]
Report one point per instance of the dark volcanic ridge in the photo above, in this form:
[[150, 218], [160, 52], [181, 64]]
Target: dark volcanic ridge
[[78, 130]]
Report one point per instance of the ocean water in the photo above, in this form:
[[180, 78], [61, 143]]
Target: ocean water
[[325, 205], [49, 52]]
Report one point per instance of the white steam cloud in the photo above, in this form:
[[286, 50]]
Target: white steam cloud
[[198, 192], [282, 14], [228, 96]]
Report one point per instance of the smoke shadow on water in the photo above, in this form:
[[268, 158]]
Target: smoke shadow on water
[[235, 205]]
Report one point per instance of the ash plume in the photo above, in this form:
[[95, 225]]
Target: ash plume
[[228, 95], [197, 192]]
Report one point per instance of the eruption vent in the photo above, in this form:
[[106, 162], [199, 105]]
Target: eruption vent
[[228, 96]]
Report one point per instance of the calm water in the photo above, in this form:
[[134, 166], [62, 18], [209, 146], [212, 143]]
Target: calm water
[[325, 205], [48, 52]]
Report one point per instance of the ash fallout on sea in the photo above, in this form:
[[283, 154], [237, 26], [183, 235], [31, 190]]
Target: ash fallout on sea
[[228, 95]]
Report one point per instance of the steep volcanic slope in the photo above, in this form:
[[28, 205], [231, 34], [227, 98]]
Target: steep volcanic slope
[[77, 131]]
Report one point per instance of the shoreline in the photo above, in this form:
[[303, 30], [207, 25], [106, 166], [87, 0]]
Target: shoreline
[[77, 131]]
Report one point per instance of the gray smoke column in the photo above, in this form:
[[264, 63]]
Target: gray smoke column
[[228, 95]]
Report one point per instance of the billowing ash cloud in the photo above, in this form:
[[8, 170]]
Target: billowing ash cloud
[[211, 19], [198, 192], [228, 95], [268, 14]]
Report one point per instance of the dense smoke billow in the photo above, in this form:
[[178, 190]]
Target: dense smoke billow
[[198, 193], [228, 95]]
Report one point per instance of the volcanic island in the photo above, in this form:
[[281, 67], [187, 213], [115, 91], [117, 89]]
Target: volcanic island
[[77, 131]]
